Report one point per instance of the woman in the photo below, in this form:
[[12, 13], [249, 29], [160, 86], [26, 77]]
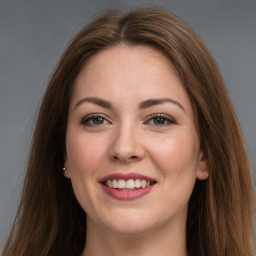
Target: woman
[[137, 149]]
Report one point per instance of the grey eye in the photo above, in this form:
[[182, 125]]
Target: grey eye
[[160, 120], [98, 120], [94, 120]]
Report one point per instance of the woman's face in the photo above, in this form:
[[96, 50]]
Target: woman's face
[[132, 148]]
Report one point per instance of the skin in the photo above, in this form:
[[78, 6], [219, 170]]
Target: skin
[[128, 139]]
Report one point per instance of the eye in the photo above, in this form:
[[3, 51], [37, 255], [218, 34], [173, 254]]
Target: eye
[[94, 120], [160, 120]]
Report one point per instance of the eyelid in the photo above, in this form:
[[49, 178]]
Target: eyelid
[[92, 116], [165, 116]]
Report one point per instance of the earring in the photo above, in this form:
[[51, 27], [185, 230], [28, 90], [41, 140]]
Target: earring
[[65, 171]]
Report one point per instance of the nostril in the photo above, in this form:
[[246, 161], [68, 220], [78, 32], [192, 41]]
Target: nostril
[[120, 158]]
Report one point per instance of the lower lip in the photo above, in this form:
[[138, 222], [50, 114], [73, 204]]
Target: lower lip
[[126, 194]]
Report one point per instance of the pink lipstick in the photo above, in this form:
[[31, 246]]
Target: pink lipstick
[[128, 186]]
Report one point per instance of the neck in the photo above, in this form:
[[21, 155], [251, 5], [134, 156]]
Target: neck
[[164, 241]]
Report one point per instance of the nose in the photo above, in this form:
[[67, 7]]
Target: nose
[[126, 145]]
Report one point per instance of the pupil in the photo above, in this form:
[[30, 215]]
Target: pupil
[[159, 120], [98, 120]]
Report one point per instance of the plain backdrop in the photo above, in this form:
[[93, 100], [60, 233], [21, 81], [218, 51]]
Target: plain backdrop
[[33, 35]]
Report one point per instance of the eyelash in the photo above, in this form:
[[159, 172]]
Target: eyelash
[[161, 117], [167, 120], [85, 121]]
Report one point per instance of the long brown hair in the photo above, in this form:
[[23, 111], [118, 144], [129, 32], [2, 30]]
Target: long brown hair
[[50, 221]]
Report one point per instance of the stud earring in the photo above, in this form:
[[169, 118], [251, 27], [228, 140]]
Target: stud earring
[[65, 171]]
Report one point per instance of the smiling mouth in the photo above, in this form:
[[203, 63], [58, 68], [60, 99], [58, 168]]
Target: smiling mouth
[[128, 185]]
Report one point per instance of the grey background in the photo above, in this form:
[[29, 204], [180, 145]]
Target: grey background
[[33, 35]]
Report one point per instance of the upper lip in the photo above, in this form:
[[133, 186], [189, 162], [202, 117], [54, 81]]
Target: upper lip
[[126, 176]]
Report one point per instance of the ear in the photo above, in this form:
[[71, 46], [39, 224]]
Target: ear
[[66, 173], [202, 168]]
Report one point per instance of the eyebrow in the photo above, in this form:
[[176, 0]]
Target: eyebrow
[[152, 102], [97, 101], [145, 104]]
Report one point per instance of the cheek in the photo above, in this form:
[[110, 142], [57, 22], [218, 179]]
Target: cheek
[[177, 155], [83, 153]]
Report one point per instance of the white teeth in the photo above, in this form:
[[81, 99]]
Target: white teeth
[[137, 183], [121, 184], [129, 184], [109, 183], [114, 184], [143, 183]]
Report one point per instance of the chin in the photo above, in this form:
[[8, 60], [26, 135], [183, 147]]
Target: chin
[[128, 229], [129, 222]]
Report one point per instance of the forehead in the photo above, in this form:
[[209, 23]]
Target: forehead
[[130, 73], [124, 56]]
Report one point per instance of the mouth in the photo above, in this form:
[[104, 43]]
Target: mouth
[[127, 186]]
